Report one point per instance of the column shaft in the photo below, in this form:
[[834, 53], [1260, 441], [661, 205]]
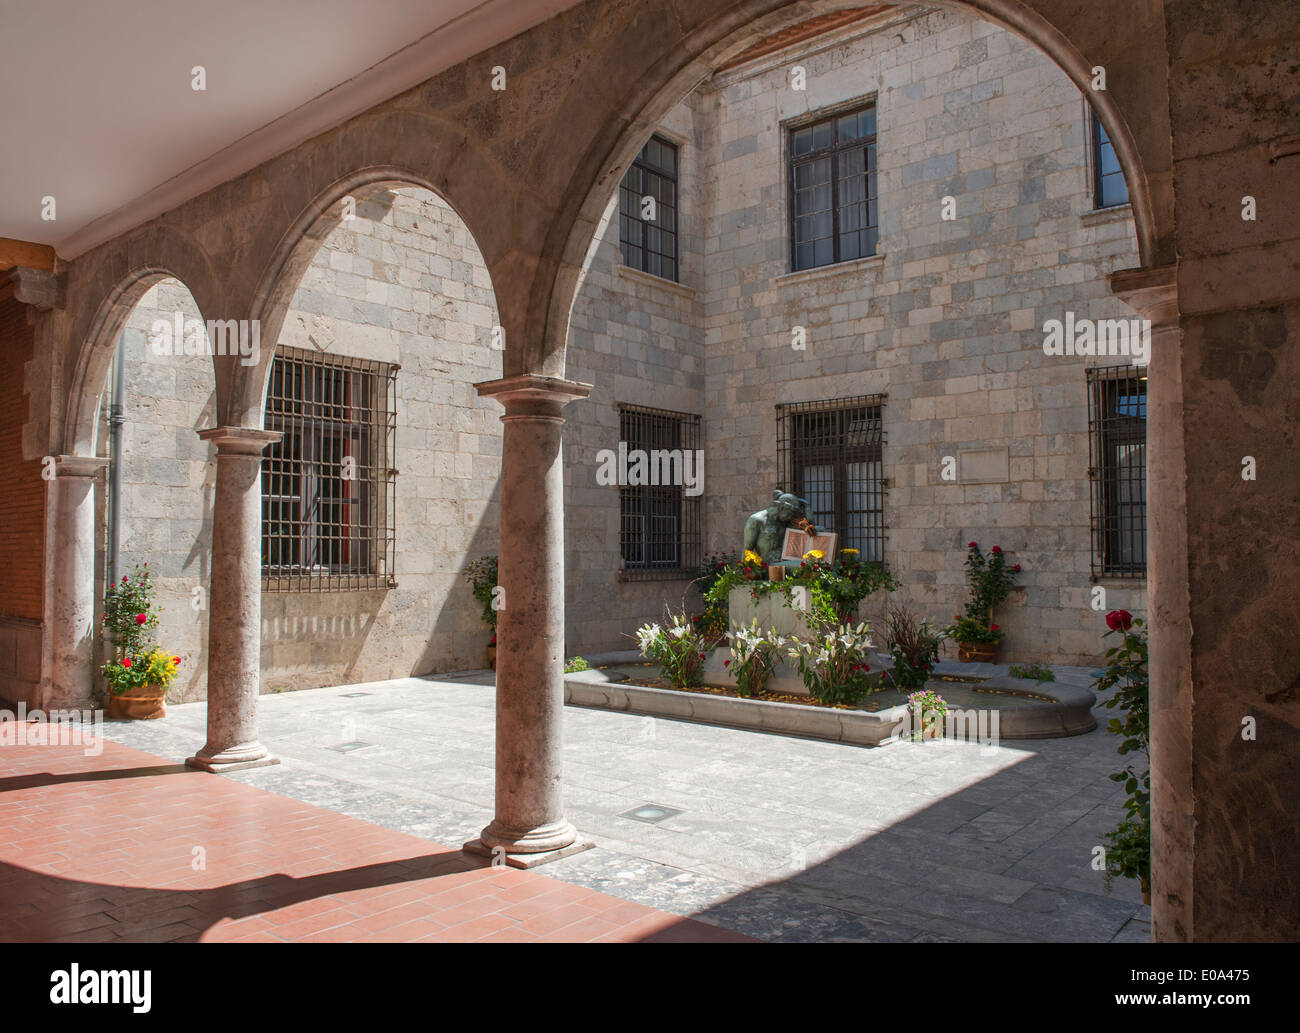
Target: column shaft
[[529, 817], [235, 603], [72, 668]]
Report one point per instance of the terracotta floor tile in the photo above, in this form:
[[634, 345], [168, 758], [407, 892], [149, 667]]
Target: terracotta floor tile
[[97, 849]]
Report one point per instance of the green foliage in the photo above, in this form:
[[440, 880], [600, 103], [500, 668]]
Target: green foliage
[[575, 664], [679, 650], [133, 672], [835, 665], [834, 589], [482, 577], [970, 629], [1038, 672], [1129, 845], [914, 645]]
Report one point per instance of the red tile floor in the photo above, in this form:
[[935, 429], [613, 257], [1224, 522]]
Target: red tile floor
[[129, 846]]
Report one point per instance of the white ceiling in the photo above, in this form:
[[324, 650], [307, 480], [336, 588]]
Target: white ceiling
[[97, 109]]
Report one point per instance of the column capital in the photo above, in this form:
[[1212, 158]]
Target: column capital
[[242, 441], [79, 466], [533, 394], [1151, 292]]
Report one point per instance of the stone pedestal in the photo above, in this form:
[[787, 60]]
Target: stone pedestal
[[72, 612], [774, 613], [529, 824], [235, 603]]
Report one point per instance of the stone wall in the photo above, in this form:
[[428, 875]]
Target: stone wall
[[402, 283], [167, 479], [946, 320]]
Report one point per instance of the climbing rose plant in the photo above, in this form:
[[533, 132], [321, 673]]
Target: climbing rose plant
[[1128, 846]]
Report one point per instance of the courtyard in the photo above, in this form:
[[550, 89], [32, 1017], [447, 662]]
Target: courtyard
[[770, 837]]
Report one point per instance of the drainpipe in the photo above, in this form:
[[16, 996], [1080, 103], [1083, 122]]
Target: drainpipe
[[116, 417]]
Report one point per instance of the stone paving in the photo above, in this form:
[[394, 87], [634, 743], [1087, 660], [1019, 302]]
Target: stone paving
[[779, 838], [118, 845]]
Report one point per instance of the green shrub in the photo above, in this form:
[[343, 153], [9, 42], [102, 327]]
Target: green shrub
[[575, 664]]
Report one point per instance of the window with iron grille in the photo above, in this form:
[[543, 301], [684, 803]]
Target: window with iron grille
[[1108, 186], [831, 453], [834, 213], [1117, 431], [647, 210], [328, 486], [660, 533]]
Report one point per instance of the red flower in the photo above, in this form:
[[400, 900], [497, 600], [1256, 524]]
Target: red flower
[[176, 659], [972, 545], [494, 640], [1016, 568], [993, 627], [126, 662], [123, 577], [140, 618], [726, 663], [1118, 620], [997, 549]]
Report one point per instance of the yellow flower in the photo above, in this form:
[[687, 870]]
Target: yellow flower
[[752, 557], [844, 552], [816, 554]]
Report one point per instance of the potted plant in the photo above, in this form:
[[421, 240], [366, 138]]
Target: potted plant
[[928, 710], [482, 577], [991, 579], [139, 672], [138, 684], [914, 645], [977, 642], [679, 650]]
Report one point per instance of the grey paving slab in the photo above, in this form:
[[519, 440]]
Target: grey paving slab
[[783, 838]]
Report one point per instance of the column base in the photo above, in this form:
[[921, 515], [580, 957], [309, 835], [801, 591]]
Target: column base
[[236, 758], [519, 860]]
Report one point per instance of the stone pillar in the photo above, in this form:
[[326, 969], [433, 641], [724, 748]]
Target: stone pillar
[[72, 611], [529, 823], [1153, 294], [235, 603]]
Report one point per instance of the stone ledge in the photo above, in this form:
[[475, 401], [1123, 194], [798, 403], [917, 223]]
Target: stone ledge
[[855, 727], [626, 272]]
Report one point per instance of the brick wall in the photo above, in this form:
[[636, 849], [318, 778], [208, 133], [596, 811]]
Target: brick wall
[[22, 491]]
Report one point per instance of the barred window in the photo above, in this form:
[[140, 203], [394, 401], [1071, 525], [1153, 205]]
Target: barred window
[[660, 532], [1117, 431], [647, 210], [1108, 186], [328, 486], [831, 453], [834, 212]]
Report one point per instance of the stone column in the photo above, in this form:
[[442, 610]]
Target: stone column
[[529, 823], [235, 603], [1153, 294], [72, 612]]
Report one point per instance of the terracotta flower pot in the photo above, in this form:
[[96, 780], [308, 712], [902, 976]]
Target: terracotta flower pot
[[138, 704], [977, 652], [492, 657]]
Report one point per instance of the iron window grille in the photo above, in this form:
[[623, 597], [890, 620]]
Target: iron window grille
[[660, 533], [1108, 186], [834, 208], [329, 489], [1117, 470], [832, 454], [650, 244]]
